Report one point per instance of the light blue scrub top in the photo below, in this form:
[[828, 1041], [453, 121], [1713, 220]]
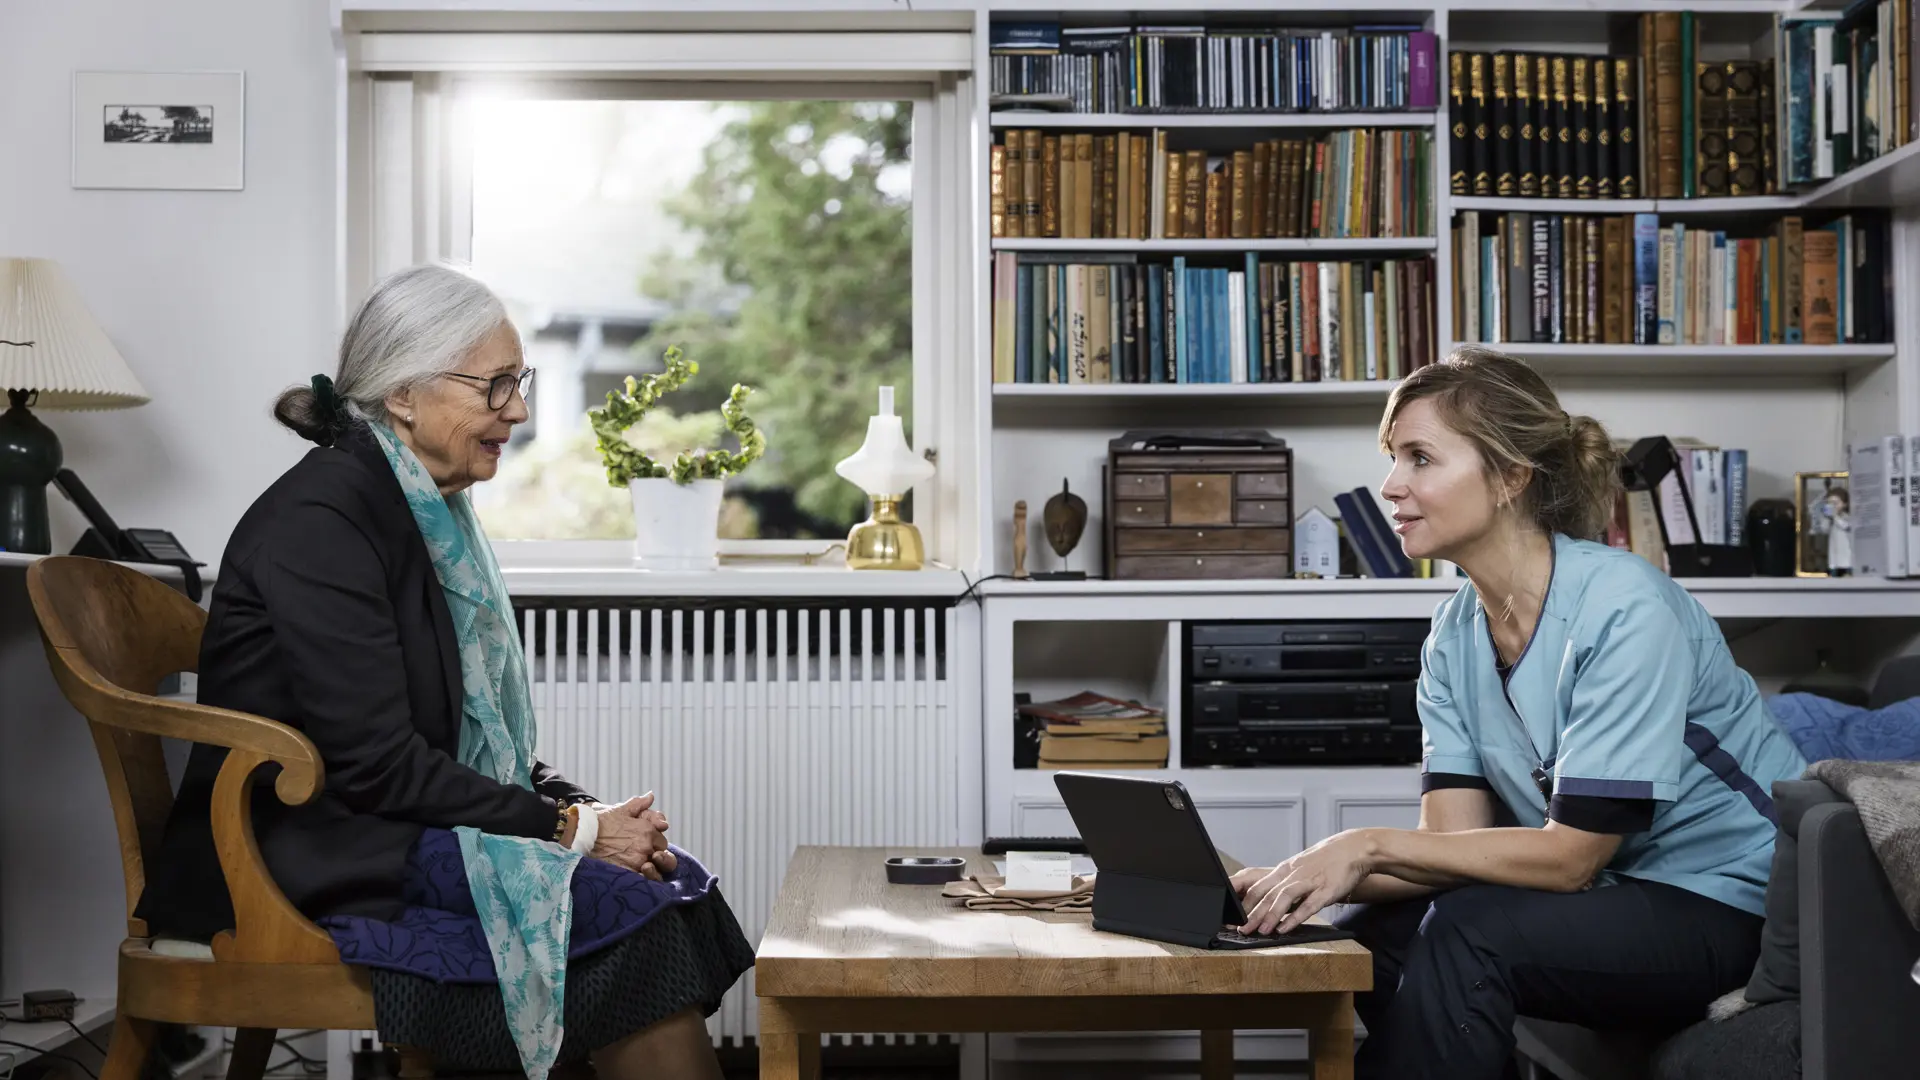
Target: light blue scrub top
[[1626, 690]]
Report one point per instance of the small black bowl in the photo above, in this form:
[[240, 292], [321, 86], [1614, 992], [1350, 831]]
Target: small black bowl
[[925, 869]]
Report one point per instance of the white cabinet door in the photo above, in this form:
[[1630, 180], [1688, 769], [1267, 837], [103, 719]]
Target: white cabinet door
[[1372, 811]]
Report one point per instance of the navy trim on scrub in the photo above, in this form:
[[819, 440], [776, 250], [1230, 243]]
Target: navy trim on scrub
[[1722, 764]]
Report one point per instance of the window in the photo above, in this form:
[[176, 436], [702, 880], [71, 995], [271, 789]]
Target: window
[[793, 208], [770, 239]]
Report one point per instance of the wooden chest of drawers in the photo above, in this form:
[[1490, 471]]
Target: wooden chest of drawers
[[1199, 512]]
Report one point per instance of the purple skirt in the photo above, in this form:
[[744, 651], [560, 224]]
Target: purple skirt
[[438, 936]]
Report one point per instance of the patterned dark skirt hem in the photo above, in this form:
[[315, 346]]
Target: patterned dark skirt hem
[[687, 956]]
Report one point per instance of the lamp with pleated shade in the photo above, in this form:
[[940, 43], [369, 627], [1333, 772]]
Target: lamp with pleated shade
[[52, 356]]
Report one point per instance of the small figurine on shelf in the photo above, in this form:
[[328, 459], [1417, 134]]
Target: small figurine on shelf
[[1839, 534], [1020, 540], [1064, 517]]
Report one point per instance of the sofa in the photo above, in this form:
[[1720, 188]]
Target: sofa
[[1834, 995]]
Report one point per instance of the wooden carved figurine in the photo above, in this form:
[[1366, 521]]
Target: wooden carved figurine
[[1065, 518], [1020, 540]]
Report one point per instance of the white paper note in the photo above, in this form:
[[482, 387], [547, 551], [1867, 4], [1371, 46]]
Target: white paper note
[[1082, 866], [1040, 871]]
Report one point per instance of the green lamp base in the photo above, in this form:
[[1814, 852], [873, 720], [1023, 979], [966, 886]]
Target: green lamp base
[[29, 456]]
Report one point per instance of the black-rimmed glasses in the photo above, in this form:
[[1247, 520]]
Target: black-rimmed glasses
[[500, 388]]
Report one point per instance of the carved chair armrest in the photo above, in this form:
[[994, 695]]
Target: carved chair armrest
[[267, 927]]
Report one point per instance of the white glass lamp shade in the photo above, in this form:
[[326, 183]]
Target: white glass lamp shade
[[50, 343], [885, 464]]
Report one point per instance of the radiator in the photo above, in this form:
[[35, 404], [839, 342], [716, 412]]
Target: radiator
[[758, 728]]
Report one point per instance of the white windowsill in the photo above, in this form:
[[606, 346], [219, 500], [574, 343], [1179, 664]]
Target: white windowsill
[[781, 568], [760, 580]]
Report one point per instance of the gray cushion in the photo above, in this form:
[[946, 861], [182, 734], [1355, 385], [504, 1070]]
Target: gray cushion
[[1762, 1043], [1776, 975]]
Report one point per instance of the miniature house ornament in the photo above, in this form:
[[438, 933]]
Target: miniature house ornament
[[1316, 553]]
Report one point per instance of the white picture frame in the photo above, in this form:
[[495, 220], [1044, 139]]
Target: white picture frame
[[179, 131]]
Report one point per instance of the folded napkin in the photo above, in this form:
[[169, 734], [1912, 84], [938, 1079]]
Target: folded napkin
[[987, 892]]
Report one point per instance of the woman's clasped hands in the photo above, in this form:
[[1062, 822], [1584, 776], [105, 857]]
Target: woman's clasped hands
[[633, 835]]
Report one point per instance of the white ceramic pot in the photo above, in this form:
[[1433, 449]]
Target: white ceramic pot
[[676, 526]]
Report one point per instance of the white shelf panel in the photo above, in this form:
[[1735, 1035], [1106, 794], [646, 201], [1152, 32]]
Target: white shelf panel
[[1146, 247], [1736, 361], [1572, 7], [1747, 205], [89, 1014], [1345, 587], [1262, 8], [747, 581], [1362, 781], [1415, 598], [23, 560], [1317, 393], [1892, 179], [1024, 119]]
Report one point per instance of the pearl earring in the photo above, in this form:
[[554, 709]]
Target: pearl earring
[[409, 419]]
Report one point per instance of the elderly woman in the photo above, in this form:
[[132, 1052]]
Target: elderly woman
[[509, 920]]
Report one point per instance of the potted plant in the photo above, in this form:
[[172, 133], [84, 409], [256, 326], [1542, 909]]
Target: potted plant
[[676, 506]]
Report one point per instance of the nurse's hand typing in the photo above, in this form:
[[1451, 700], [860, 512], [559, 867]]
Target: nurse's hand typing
[[1296, 890]]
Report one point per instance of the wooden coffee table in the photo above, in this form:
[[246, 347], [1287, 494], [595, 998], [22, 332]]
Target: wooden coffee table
[[847, 952]]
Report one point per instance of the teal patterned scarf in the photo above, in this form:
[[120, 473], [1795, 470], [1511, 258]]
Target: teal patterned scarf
[[521, 887]]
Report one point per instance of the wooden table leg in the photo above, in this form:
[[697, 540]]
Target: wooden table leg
[[786, 1054], [1216, 1054], [789, 1057], [1330, 1039]]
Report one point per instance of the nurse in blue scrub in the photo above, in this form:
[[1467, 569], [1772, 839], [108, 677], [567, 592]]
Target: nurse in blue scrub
[[1595, 821]]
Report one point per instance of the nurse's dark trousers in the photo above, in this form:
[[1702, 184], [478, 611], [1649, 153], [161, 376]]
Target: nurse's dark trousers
[[1451, 971]]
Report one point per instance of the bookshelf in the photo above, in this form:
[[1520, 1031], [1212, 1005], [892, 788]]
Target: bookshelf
[[1794, 407], [1258, 121], [1746, 362], [1315, 244]]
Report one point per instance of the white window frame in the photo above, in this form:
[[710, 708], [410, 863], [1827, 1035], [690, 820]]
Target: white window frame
[[407, 198]]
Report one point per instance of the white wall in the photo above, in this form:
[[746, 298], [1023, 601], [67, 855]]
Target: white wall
[[216, 299]]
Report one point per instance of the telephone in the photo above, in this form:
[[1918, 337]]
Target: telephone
[[105, 540]]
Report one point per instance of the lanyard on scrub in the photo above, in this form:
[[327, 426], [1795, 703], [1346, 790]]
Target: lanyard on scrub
[[1542, 772]]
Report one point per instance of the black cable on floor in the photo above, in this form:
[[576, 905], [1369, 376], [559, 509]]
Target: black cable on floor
[[81, 1065]]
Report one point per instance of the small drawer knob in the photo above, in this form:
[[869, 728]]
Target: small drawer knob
[[1199, 562]]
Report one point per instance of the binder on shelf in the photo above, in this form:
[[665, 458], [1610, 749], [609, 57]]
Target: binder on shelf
[[1651, 460]]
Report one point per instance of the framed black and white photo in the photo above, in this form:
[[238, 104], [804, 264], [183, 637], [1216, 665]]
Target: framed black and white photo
[[155, 130]]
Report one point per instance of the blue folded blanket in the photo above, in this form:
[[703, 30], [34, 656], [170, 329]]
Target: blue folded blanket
[[1823, 728]]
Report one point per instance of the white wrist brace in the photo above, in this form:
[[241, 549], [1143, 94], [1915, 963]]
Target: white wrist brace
[[586, 830]]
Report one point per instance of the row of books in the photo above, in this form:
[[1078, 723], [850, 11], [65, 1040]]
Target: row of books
[[1122, 321], [1864, 523], [1189, 68], [1709, 126], [1716, 480], [1127, 185], [1833, 91], [1880, 497], [1633, 279], [1531, 125], [1849, 92], [1089, 730]]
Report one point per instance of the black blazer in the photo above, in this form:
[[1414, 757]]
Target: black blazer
[[327, 617]]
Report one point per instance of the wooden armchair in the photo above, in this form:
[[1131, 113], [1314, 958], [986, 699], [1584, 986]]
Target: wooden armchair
[[112, 634]]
